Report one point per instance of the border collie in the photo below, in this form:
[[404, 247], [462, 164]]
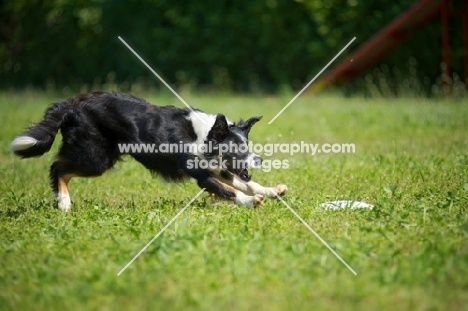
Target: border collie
[[94, 125]]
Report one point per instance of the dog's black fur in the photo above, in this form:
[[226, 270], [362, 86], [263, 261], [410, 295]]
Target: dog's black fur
[[93, 125]]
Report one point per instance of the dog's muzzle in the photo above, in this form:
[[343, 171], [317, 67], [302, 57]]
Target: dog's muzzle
[[254, 162]]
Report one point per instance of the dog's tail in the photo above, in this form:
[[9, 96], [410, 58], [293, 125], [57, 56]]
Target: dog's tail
[[40, 137]]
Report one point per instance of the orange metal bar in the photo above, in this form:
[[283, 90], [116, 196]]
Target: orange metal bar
[[379, 45]]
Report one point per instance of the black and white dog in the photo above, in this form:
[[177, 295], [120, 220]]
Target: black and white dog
[[94, 126]]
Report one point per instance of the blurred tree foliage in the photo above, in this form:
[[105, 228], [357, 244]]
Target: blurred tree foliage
[[242, 46]]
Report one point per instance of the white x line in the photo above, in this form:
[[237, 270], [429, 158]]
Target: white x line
[[164, 82], [201, 191], [316, 234], [308, 84], [160, 232]]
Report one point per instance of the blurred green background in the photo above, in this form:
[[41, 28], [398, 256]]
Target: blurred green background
[[257, 46]]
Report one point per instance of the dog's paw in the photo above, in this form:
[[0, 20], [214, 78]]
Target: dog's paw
[[281, 190], [63, 202], [249, 201], [257, 200]]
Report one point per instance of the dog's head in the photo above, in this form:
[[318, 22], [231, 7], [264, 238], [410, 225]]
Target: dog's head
[[230, 146]]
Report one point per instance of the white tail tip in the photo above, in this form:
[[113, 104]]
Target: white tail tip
[[22, 143]]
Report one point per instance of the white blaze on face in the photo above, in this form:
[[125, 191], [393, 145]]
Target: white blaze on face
[[254, 161], [242, 138]]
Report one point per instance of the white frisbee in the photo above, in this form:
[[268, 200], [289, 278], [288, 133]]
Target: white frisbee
[[346, 204]]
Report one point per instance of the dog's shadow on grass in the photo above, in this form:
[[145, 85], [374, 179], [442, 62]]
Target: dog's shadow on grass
[[18, 207], [14, 212]]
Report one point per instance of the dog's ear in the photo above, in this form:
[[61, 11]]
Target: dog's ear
[[245, 126], [220, 129]]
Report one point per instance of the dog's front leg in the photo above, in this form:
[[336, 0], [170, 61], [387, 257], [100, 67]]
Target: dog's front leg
[[269, 192], [254, 188], [225, 191]]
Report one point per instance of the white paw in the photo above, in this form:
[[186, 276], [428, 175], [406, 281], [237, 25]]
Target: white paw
[[257, 200], [272, 192], [281, 190], [249, 201], [63, 202]]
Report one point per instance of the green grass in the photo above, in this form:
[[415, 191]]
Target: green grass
[[410, 252]]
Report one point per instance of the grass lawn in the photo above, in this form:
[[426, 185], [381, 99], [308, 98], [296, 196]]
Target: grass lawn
[[410, 252]]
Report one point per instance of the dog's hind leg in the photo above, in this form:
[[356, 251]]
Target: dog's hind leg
[[65, 169], [59, 179]]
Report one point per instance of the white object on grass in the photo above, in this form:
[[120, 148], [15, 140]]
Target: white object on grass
[[346, 204]]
